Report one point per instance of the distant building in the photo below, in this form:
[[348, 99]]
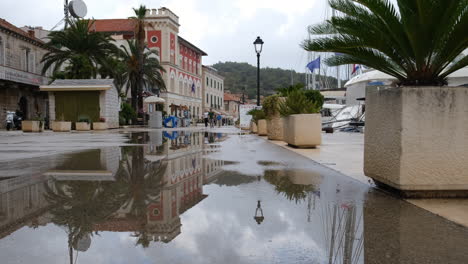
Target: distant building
[[20, 72], [39, 32], [181, 59], [232, 104], [213, 89]]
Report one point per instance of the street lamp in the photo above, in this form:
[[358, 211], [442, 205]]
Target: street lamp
[[258, 43], [259, 214]]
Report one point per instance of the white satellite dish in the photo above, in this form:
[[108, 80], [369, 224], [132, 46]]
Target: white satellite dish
[[77, 8]]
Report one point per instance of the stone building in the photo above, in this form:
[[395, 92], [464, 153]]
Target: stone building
[[181, 59], [231, 105], [20, 72], [213, 89]]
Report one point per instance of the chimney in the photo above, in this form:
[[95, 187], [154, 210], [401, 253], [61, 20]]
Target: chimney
[[31, 33]]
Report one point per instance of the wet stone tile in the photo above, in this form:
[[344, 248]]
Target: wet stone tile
[[169, 198]]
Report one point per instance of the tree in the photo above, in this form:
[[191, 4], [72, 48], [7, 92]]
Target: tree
[[419, 42], [142, 70], [81, 49]]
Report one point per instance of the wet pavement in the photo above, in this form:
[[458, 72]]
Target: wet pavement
[[196, 197]]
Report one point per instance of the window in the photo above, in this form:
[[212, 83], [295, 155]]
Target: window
[[207, 98], [207, 80], [154, 39], [150, 108], [211, 100]]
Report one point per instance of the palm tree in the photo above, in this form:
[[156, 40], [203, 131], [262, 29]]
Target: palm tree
[[142, 70], [420, 42], [81, 49]]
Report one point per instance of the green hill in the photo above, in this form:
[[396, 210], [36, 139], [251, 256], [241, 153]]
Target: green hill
[[239, 75]]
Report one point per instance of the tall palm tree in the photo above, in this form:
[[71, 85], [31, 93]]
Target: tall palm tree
[[419, 42], [81, 49], [142, 70]]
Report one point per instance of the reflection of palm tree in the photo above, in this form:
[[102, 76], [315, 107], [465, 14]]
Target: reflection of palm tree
[[140, 182], [285, 186], [79, 206]]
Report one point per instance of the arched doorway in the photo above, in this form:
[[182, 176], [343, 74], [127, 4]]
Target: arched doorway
[[23, 106]]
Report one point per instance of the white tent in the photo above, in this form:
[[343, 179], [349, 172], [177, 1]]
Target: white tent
[[356, 87]]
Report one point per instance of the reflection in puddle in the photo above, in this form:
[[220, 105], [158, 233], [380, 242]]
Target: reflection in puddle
[[170, 196]]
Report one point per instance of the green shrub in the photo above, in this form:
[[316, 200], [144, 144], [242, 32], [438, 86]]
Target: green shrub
[[298, 103], [257, 114], [316, 97], [271, 105], [126, 114]]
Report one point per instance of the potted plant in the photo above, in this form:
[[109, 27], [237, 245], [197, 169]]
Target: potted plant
[[61, 125], [416, 130], [259, 122], [34, 125], [274, 121], [83, 124], [303, 122], [101, 125]]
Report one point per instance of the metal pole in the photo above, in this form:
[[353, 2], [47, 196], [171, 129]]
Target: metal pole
[[258, 79]]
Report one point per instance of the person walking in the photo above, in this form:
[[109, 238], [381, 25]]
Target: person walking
[[211, 116], [205, 118], [219, 117]]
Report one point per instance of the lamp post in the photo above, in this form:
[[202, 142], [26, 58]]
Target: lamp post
[[258, 43]]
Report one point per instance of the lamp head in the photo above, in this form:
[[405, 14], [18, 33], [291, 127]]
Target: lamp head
[[258, 43]]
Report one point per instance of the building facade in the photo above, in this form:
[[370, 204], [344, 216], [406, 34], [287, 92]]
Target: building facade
[[231, 105], [20, 72], [181, 59], [213, 89]]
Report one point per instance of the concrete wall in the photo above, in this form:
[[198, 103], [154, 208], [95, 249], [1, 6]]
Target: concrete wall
[[417, 138], [110, 107]]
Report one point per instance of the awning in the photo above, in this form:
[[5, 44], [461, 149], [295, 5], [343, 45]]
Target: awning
[[154, 100], [60, 88]]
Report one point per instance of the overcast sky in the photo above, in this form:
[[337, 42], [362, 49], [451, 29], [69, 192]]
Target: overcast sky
[[225, 29]]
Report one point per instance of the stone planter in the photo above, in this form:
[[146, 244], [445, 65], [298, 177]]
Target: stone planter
[[262, 127], [100, 126], [32, 126], [303, 130], [253, 127], [61, 126], [275, 127], [83, 126], [416, 140]]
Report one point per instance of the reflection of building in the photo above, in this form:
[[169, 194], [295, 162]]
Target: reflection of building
[[181, 189], [22, 202], [20, 72], [90, 165]]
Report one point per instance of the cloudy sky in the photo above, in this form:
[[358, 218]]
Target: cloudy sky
[[225, 29]]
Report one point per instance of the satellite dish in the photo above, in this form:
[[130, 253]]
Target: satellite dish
[[78, 8]]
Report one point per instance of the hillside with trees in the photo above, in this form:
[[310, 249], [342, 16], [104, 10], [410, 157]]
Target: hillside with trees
[[243, 75]]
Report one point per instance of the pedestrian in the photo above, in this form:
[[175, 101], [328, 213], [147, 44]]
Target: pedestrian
[[211, 116], [219, 117], [205, 118]]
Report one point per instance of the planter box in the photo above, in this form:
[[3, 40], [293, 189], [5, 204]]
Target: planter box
[[83, 126], [303, 130], [99, 126], [32, 126], [61, 126], [416, 140], [275, 127], [262, 127], [253, 127]]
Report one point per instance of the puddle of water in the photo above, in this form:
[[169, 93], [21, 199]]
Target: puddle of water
[[170, 199]]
